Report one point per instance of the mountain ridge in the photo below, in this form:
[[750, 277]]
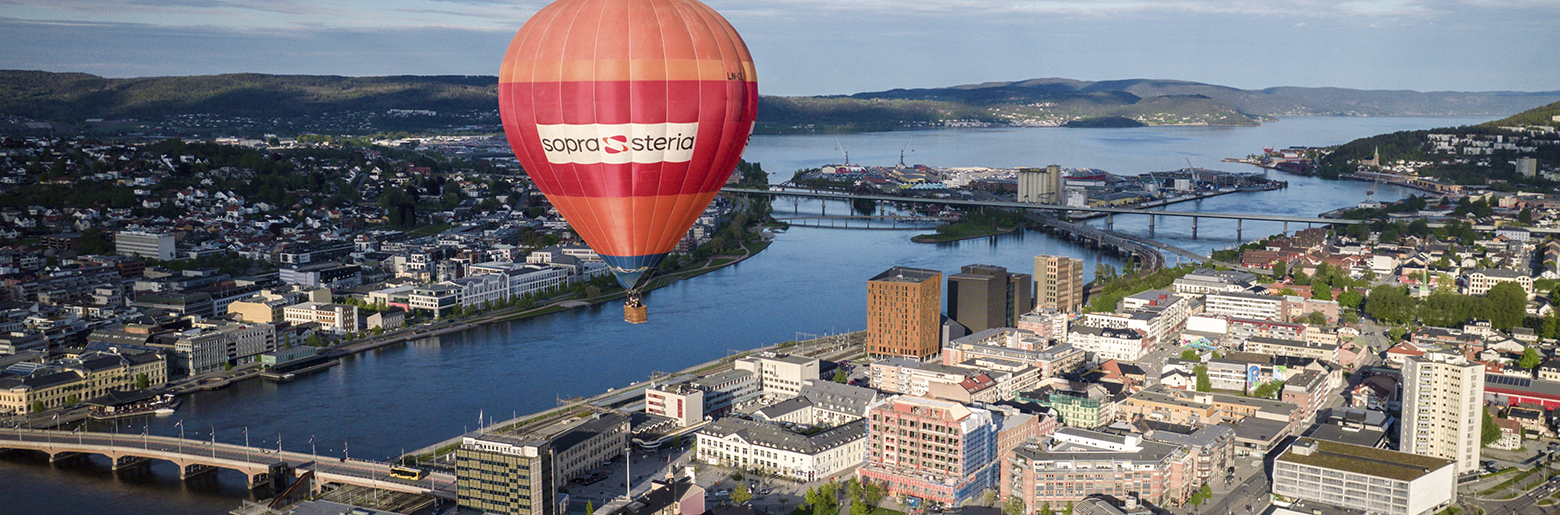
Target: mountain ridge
[[74, 97]]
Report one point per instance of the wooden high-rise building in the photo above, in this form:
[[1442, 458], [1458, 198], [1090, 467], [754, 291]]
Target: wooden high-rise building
[[904, 313]]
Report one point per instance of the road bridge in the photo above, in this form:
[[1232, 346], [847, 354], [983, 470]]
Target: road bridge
[[895, 222], [780, 190], [194, 457]]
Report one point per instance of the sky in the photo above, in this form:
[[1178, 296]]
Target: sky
[[818, 47]]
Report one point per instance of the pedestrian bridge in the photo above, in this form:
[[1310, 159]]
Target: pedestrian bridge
[[195, 457]]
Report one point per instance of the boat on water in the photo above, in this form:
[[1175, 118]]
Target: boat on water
[[160, 405]]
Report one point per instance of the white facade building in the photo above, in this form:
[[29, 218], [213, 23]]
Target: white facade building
[[769, 448], [1364, 478], [1443, 394]]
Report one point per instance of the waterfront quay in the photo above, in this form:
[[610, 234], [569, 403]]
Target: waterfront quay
[[827, 347]]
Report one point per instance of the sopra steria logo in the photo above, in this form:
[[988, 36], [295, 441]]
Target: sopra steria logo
[[643, 143]]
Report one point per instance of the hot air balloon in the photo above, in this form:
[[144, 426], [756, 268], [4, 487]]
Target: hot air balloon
[[629, 115]]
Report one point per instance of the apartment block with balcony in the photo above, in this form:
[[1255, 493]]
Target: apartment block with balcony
[[1443, 394], [932, 450]]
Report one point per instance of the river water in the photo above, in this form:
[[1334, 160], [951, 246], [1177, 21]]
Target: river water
[[810, 281]]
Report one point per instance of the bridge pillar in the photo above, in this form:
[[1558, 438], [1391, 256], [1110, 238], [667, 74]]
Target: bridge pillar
[[1286, 228], [127, 462], [1238, 238], [64, 457], [1151, 219], [188, 471], [1194, 227], [1110, 221]]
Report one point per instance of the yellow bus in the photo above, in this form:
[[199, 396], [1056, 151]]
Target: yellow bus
[[402, 472]]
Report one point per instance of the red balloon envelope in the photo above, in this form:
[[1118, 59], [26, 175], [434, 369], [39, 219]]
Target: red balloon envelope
[[629, 115]]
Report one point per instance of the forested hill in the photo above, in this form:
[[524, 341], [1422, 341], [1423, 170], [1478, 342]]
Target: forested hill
[[70, 98], [1544, 115], [1517, 136]]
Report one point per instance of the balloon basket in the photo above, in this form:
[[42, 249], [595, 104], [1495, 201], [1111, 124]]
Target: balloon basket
[[635, 312]]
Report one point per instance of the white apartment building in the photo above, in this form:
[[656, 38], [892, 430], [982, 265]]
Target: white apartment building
[[1207, 280], [1046, 324], [908, 376], [1480, 281], [1159, 314], [1107, 343], [524, 278], [1241, 304], [475, 290], [681, 402], [1443, 394], [1364, 478], [780, 375], [437, 298], [145, 244], [769, 448], [210, 346], [340, 318]]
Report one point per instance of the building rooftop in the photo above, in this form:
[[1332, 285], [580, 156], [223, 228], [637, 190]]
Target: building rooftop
[[773, 436], [1363, 460], [902, 274]]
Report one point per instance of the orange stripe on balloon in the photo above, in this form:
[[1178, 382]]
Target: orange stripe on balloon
[[622, 70], [632, 226]]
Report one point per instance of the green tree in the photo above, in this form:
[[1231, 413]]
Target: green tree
[[840, 376], [590, 508], [1069, 508], [73, 400], [1316, 318], [1015, 505], [142, 382], [1104, 273], [740, 494], [38, 407], [1350, 299], [1530, 359], [1268, 390], [1397, 334], [1550, 325], [1204, 384], [1390, 304], [1280, 268], [1509, 302], [1189, 355], [1321, 291], [1300, 278], [1045, 509], [1490, 432]]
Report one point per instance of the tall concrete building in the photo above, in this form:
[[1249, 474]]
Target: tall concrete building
[[1442, 396], [987, 297], [1058, 283], [904, 313], [1040, 186], [1527, 166], [145, 244]]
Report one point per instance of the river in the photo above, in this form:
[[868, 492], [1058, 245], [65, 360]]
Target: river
[[809, 281]]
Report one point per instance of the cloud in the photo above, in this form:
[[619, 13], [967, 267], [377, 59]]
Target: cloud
[[839, 46]]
